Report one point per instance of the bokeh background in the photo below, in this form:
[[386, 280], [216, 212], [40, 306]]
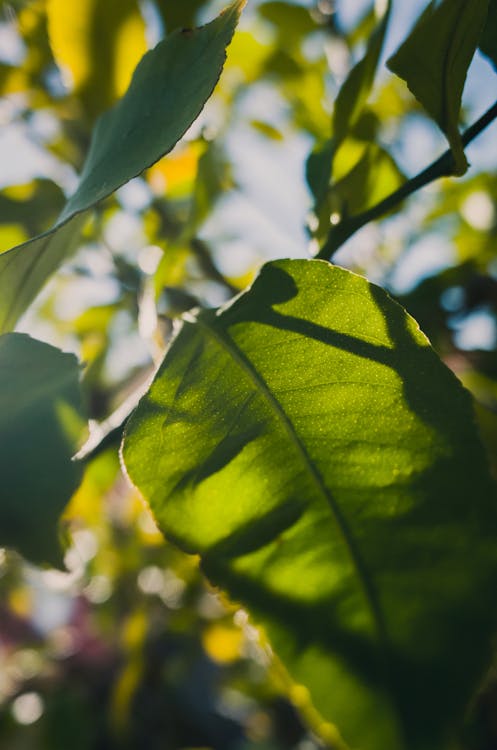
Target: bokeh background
[[130, 647]]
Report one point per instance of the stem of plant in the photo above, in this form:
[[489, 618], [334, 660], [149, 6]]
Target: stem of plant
[[442, 167]]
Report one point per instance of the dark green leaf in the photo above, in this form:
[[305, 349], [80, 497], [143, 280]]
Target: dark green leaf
[[41, 425], [169, 88], [177, 15], [488, 40], [434, 61], [318, 170], [310, 446], [291, 22]]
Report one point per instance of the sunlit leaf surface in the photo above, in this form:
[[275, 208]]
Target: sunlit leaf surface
[[310, 446]]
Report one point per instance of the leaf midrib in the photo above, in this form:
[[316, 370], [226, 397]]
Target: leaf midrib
[[229, 346]]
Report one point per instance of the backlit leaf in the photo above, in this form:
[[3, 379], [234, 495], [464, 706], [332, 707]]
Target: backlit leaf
[[310, 446], [356, 89], [375, 176], [168, 90], [349, 106]]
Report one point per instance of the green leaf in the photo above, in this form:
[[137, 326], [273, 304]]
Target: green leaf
[[356, 89], [349, 106], [176, 15], [488, 39], [41, 426], [310, 446], [34, 205], [291, 22], [99, 45], [434, 61], [375, 176], [365, 176], [169, 88], [214, 178]]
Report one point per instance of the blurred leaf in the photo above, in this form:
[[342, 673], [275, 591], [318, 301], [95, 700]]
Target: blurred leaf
[[168, 90], [179, 15], [29, 75], [349, 106], [267, 130], [33, 207], [172, 268], [11, 234], [356, 89], [248, 54], [318, 170], [364, 175], [41, 427], [488, 40], [291, 22], [310, 446], [175, 174], [434, 61], [214, 178], [98, 45], [24, 269], [371, 179]]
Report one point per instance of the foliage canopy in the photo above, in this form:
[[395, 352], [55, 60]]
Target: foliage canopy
[[291, 426]]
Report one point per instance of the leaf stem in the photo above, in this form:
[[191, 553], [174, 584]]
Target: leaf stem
[[441, 167]]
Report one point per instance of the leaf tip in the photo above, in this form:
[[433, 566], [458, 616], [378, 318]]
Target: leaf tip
[[235, 8]]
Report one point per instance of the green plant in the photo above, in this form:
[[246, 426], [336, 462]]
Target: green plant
[[304, 439]]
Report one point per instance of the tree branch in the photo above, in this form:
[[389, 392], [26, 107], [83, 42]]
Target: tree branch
[[442, 167]]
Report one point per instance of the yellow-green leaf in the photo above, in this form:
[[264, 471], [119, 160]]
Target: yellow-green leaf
[[97, 45], [311, 447]]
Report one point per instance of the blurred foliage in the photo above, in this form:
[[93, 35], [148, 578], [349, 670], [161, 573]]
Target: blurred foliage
[[129, 648]]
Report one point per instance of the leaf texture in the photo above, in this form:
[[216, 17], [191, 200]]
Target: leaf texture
[[310, 446]]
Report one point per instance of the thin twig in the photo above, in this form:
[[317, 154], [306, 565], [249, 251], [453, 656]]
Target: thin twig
[[442, 167]]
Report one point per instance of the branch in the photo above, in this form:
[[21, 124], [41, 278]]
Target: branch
[[442, 167]]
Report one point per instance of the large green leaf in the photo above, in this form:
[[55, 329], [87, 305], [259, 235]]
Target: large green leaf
[[41, 426], [169, 88], [310, 446], [434, 61]]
